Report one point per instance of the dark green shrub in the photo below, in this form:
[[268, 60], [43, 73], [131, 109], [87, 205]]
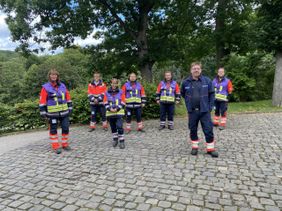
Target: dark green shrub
[[152, 109], [81, 107], [252, 76], [25, 115]]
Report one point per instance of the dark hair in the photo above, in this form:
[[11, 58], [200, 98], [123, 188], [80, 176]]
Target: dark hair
[[131, 74], [169, 71], [114, 78]]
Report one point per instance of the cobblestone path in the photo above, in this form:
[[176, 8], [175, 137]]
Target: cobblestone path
[[155, 172]]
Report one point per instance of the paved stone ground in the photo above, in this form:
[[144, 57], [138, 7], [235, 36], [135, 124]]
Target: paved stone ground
[[154, 172]]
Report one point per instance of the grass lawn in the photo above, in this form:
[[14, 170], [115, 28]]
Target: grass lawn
[[242, 107]]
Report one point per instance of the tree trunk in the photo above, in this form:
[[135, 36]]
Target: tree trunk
[[145, 65], [145, 62], [146, 71], [219, 31], [277, 86]]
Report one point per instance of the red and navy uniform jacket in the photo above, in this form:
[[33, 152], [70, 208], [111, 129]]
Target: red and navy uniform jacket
[[55, 100], [207, 93], [168, 92], [96, 91], [134, 94], [114, 99], [223, 87]]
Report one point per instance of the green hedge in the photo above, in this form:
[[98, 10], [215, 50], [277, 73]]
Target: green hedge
[[21, 116], [25, 115]]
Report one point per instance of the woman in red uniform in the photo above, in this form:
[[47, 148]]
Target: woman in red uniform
[[55, 104]]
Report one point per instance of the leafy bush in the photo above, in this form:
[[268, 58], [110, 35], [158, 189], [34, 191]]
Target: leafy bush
[[81, 107], [152, 109], [21, 116], [25, 115], [252, 76]]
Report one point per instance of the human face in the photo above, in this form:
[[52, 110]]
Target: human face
[[114, 83], [196, 71], [168, 76], [53, 77], [96, 77], [132, 77], [220, 72]]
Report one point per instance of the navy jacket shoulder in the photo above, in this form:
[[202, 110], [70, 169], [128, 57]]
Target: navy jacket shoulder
[[207, 93]]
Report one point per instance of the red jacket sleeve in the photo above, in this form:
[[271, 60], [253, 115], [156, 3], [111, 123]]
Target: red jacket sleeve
[[43, 97], [105, 100], [123, 88], [143, 94], [230, 87], [177, 90], [159, 88], [68, 97], [123, 97]]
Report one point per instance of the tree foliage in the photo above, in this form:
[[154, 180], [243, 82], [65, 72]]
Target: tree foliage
[[148, 37]]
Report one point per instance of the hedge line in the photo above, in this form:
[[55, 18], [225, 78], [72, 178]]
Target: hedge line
[[25, 115]]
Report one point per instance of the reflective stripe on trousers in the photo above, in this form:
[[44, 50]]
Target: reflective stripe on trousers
[[195, 144]]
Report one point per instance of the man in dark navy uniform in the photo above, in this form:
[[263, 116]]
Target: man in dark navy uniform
[[198, 92]]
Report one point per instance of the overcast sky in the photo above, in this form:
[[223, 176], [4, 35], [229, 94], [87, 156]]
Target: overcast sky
[[6, 42]]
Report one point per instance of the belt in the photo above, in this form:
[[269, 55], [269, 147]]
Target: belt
[[195, 109]]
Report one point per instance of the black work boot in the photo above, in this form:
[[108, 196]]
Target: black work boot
[[91, 130], [121, 144], [171, 127], [58, 151], [194, 152], [67, 148], [115, 142], [214, 154], [221, 127], [161, 127]]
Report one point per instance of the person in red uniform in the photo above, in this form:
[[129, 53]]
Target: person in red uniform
[[96, 92], [168, 93], [114, 101], [223, 87], [135, 99], [56, 105]]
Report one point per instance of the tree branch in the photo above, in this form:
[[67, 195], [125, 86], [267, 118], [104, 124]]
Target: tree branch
[[119, 20]]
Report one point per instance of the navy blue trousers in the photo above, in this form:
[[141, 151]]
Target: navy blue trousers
[[116, 125], [205, 118], [130, 111], [64, 124], [167, 110], [220, 108], [95, 109]]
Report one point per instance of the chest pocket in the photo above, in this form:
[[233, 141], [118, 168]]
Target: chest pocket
[[205, 90], [188, 90]]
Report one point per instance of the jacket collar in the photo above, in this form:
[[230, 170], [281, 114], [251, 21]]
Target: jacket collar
[[217, 78], [190, 78], [55, 84], [132, 82], [111, 91], [99, 82]]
